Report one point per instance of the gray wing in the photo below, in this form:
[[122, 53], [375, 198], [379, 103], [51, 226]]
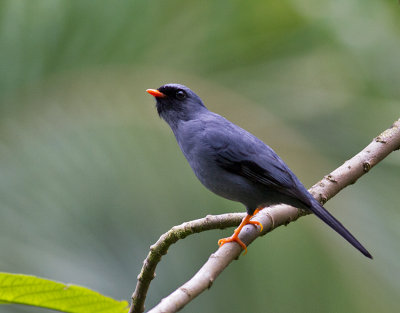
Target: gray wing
[[239, 152]]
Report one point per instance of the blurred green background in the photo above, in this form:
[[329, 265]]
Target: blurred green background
[[91, 177]]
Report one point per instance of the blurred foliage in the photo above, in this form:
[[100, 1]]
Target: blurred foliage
[[90, 177]]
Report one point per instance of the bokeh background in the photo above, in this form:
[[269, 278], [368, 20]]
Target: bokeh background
[[90, 177]]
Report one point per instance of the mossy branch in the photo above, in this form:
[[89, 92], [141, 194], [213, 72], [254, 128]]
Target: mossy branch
[[162, 245]]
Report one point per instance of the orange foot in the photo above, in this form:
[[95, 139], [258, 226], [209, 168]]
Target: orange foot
[[235, 236]]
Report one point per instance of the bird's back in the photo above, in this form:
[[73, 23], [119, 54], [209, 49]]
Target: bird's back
[[216, 148]]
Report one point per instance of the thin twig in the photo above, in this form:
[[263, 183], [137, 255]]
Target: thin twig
[[162, 245], [270, 217]]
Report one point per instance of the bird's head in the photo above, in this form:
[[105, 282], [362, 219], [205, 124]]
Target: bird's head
[[176, 102]]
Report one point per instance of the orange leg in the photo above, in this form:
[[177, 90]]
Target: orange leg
[[235, 236]]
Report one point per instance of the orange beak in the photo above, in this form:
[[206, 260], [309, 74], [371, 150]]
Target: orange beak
[[155, 93]]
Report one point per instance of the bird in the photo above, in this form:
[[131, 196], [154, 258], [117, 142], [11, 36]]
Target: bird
[[235, 164]]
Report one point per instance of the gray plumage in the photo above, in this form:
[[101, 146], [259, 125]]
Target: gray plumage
[[232, 162]]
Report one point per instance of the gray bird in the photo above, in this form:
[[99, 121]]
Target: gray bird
[[233, 163]]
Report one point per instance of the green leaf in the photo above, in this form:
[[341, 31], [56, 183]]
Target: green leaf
[[31, 290]]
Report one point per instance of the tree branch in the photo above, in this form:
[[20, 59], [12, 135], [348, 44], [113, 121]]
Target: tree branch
[[270, 217], [162, 245]]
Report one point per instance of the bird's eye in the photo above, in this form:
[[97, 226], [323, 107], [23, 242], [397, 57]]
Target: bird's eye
[[180, 95]]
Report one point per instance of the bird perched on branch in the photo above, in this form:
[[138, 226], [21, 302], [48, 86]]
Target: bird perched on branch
[[233, 163]]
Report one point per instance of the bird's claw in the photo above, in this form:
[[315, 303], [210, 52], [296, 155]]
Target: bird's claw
[[233, 238], [256, 223]]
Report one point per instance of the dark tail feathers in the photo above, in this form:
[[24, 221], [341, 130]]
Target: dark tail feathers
[[324, 215]]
